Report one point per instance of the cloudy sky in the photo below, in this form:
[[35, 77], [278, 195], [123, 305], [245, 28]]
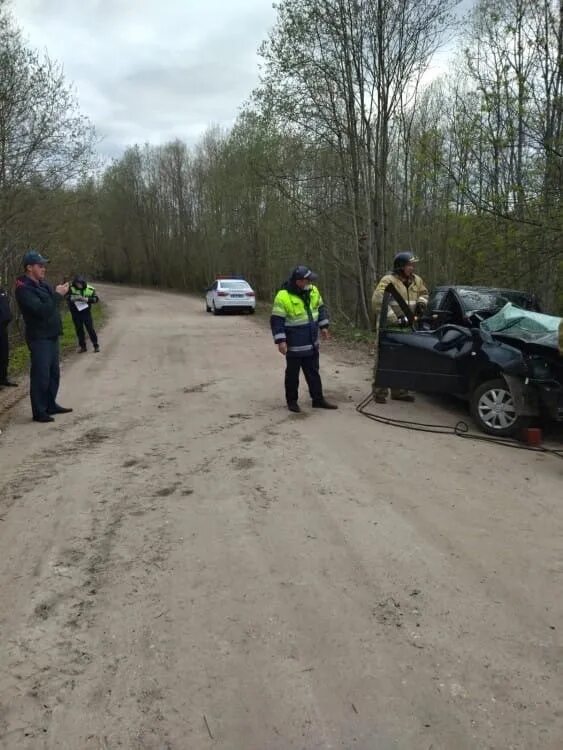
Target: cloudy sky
[[153, 70]]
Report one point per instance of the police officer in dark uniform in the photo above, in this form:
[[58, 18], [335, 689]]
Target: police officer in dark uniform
[[5, 319], [39, 305]]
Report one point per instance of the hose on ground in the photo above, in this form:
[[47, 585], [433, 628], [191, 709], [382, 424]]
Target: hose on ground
[[461, 429]]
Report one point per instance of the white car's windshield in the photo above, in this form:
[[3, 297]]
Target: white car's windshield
[[233, 285]]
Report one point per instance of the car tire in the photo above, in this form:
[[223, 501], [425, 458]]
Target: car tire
[[251, 310], [207, 308], [215, 310], [493, 409]]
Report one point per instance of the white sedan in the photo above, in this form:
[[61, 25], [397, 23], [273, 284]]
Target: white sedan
[[230, 294]]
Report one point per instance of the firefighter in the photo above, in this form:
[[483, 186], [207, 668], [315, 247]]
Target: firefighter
[[413, 291], [5, 319], [81, 297], [39, 306], [298, 315]]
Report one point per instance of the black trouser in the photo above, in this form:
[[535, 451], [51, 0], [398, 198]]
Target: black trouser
[[310, 367], [81, 321], [4, 353], [44, 376]]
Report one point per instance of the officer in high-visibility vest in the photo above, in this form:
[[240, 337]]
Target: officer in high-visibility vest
[[81, 297], [298, 316], [413, 291]]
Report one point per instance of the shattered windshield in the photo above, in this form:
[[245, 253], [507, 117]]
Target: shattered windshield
[[491, 299]]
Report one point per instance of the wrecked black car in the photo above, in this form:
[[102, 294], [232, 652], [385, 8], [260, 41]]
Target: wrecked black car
[[505, 359]]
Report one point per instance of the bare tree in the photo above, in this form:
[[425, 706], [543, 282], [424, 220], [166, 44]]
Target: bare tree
[[45, 143]]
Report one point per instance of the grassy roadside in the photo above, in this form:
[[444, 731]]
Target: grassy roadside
[[19, 354]]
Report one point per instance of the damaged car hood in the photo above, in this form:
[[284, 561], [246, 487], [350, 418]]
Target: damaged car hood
[[530, 327]]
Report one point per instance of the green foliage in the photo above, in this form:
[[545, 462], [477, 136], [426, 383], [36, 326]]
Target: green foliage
[[342, 158], [46, 145]]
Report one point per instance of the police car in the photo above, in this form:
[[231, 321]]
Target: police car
[[230, 293]]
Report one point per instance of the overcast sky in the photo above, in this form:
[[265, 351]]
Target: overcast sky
[[152, 70]]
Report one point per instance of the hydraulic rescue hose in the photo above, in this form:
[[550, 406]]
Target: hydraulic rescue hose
[[461, 429]]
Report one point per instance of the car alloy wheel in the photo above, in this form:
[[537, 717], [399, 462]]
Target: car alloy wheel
[[494, 409]]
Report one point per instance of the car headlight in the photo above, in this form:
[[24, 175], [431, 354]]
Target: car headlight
[[539, 369]]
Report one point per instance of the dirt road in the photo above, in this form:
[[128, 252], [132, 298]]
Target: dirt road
[[184, 565]]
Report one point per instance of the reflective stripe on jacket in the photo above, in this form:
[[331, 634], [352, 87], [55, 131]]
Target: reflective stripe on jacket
[[87, 292], [413, 294], [75, 294], [296, 319]]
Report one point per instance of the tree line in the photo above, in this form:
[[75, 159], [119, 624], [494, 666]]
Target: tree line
[[343, 155], [46, 151]]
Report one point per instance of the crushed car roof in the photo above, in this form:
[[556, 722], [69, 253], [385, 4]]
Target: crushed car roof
[[525, 325]]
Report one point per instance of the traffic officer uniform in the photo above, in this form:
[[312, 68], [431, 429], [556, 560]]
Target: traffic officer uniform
[[415, 294], [5, 319], [39, 306], [298, 314], [81, 293]]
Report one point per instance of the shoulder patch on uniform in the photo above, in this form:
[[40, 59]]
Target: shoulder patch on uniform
[[19, 283]]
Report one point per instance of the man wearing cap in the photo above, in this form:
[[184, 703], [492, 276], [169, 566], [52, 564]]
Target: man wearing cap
[[298, 315], [5, 318], [39, 305], [412, 289]]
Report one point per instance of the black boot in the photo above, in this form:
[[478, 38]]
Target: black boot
[[324, 404], [59, 410], [402, 396], [293, 406]]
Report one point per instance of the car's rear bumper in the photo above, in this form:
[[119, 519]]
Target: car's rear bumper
[[228, 304]]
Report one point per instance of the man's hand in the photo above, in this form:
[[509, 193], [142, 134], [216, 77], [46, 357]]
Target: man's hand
[[420, 309], [62, 289], [325, 334], [282, 347]]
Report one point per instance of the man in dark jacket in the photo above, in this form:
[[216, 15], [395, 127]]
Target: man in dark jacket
[[298, 315], [39, 305], [5, 318], [81, 297]]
